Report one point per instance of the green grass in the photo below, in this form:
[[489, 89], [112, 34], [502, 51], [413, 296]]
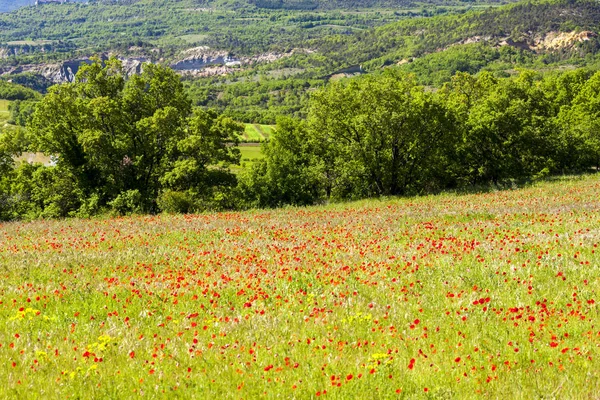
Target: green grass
[[4, 113], [193, 38], [492, 295], [4, 105], [257, 132], [29, 42], [251, 153]]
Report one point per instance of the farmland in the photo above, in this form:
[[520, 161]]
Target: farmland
[[4, 113], [257, 132], [486, 295], [250, 154]]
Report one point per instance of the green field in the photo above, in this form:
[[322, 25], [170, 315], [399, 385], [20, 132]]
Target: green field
[[29, 42], [251, 153], [193, 38], [257, 132], [490, 296], [4, 113]]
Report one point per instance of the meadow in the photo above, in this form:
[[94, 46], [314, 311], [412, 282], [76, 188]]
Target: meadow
[[257, 132], [4, 113], [487, 295]]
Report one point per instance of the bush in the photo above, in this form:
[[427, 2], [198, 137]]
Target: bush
[[127, 203], [173, 202]]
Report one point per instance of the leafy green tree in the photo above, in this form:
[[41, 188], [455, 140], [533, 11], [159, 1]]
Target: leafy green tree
[[13, 91], [581, 125], [290, 173], [510, 133], [120, 136], [21, 111], [384, 132], [32, 191], [460, 95]]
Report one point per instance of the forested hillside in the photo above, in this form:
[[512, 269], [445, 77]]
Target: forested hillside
[[11, 5], [537, 35], [257, 63], [345, 4]]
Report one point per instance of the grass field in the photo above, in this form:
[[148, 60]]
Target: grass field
[[4, 113], [453, 296], [193, 38], [257, 132], [29, 42], [251, 153]]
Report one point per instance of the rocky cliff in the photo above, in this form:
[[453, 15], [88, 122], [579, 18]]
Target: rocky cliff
[[197, 61], [66, 71]]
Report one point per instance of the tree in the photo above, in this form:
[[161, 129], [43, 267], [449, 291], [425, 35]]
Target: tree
[[382, 133], [290, 173], [581, 125], [508, 130], [124, 139]]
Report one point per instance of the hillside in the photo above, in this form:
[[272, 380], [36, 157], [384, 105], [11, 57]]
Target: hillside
[[544, 35], [455, 296], [523, 25], [352, 4], [220, 47], [11, 5]]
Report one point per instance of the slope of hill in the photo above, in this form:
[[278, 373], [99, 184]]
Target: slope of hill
[[356, 4], [224, 47], [522, 25], [537, 35], [481, 296]]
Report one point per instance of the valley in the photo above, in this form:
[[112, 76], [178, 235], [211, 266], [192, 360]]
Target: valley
[[255, 61]]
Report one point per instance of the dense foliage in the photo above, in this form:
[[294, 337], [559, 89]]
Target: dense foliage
[[121, 143], [13, 91], [60, 31], [136, 146], [385, 135]]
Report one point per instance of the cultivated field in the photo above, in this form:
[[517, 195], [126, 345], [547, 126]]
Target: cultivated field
[[251, 153], [492, 295], [257, 132], [4, 113]]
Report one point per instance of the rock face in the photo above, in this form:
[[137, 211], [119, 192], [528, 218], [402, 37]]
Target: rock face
[[66, 71], [202, 57], [550, 41], [197, 61], [202, 61], [563, 40]]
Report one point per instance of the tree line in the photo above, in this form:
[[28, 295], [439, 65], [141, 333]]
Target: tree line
[[383, 135], [137, 145]]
